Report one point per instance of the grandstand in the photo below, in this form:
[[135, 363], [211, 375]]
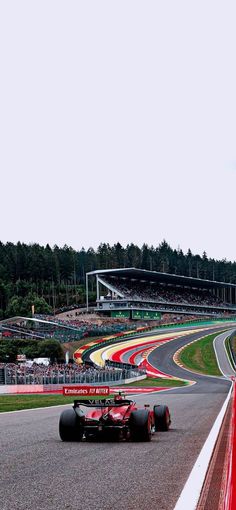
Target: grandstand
[[41, 328], [144, 295], [45, 327]]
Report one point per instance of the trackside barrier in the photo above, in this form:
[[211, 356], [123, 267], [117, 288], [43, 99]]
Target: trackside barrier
[[63, 377], [230, 486], [12, 389]]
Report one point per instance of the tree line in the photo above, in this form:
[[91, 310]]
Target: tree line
[[32, 348], [53, 277]]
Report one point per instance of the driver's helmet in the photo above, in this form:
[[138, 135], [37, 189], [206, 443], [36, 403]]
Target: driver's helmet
[[118, 397]]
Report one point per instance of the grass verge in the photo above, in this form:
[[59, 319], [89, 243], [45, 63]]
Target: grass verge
[[200, 356], [19, 402], [158, 381]]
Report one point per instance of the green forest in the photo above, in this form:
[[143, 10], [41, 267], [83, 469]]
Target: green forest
[[32, 348], [53, 277]]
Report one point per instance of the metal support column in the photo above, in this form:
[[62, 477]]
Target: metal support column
[[87, 299], [97, 282]]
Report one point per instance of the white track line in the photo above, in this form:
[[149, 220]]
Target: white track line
[[190, 494], [217, 357], [227, 334], [227, 354]]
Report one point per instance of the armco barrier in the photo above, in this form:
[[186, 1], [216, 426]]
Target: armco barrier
[[229, 501]]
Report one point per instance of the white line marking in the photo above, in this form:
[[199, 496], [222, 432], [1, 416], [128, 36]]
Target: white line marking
[[227, 334], [230, 359], [217, 357], [191, 492]]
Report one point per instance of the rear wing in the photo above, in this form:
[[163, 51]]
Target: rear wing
[[94, 391], [105, 402]]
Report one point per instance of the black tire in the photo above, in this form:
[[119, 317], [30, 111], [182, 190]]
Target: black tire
[[70, 428], [140, 425], [162, 417]]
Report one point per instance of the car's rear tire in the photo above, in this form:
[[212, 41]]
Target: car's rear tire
[[70, 427], [162, 417], [140, 425]]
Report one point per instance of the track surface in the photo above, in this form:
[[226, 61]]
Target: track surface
[[39, 472]]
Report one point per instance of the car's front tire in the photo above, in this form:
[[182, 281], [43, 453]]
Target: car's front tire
[[70, 427]]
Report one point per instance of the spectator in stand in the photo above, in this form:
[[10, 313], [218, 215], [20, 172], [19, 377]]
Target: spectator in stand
[[160, 293], [55, 373]]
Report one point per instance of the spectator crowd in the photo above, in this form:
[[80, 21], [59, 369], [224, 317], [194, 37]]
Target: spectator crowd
[[60, 373], [153, 292]]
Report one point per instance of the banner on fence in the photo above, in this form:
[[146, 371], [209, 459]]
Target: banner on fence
[[86, 391]]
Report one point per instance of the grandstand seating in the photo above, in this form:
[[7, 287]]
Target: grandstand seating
[[65, 330], [153, 292]]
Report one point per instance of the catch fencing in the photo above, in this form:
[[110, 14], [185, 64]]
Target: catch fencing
[[22, 376]]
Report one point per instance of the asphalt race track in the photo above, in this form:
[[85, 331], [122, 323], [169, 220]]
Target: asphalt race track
[[39, 472]]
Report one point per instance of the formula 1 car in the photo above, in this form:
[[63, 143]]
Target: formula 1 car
[[114, 419]]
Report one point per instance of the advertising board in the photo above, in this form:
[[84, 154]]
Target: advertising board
[[120, 313], [85, 391], [146, 315]]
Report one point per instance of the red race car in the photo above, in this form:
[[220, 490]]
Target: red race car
[[115, 419]]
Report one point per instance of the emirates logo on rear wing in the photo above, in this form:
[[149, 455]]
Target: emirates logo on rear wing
[[90, 391]]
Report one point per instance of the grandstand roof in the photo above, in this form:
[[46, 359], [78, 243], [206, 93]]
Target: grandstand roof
[[19, 318], [154, 276], [13, 320]]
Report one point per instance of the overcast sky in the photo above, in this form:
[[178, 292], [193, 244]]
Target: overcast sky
[[118, 123]]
